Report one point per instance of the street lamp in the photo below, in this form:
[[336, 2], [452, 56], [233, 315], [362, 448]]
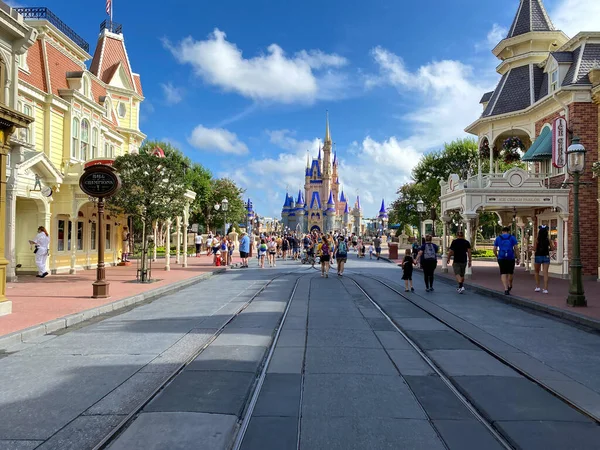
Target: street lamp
[[421, 211], [575, 165], [225, 207]]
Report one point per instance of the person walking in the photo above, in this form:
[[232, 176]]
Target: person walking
[[543, 247], [428, 259], [198, 242], [460, 250], [262, 251], [377, 242], [244, 249], [42, 244], [285, 246], [272, 245], [341, 255], [325, 253], [209, 240], [407, 270], [505, 248]]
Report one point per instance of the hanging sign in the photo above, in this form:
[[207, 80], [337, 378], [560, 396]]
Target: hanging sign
[[99, 181], [559, 143]]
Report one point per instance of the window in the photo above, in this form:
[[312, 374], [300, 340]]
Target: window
[[122, 109], [554, 80], [107, 109], [86, 87], [94, 153], [112, 152], [26, 133], [69, 234], [85, 139], [93, 236], [61, 236], [79, 235], [75, 134], [107, 240]]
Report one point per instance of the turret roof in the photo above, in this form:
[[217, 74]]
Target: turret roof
[[531, 16], [346, 210], [343, 197], [330, 201], [315, 200], [382, 210], [300, 198]]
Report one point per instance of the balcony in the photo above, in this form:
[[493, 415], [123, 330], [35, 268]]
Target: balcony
[[113, 27], [42, 13]]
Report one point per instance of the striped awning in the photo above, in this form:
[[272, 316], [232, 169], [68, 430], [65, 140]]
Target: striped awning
[[541, 149]]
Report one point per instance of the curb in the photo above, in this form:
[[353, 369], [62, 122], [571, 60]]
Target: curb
[[61, 323], [574, 317]]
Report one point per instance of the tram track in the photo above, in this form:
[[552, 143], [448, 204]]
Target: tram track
[[117, 431]]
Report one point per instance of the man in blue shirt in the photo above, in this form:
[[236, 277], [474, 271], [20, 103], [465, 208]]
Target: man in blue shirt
[[244, 249], [506, 248]]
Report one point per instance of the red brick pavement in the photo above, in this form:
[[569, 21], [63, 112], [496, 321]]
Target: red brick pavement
[[37, 301]]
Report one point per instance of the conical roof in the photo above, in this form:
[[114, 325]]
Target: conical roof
[[300, 199], [531, 16], [343, 197], [382, 211], [346, 210], [330, 200], [327, 133]]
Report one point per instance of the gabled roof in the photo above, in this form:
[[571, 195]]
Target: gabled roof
[[43, 166], [315, 201], [585, 58], [110, 52], [531, 16]]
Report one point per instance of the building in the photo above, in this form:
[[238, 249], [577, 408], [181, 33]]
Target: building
[[16, 37], [545, 75], [81, 115], [322, 206]]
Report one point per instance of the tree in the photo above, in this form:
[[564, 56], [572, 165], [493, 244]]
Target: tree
[[199, 179], [225, 188], [404, 208], [153, 188]]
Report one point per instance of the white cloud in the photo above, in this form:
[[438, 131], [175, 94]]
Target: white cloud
[[494, 36], [573, 16], [447, 94], [217, 139], [268, 77], [173, 95]]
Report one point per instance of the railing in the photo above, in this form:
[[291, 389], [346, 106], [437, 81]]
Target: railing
[[113, 27], [42, 13]]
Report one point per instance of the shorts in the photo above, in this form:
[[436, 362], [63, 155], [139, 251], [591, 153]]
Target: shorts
[[507, 266], [272, 253], [325, 258], [243, 254], [296, 250], [460, 268], [377, 250], [542, 260], [341, 259], [198, 248]]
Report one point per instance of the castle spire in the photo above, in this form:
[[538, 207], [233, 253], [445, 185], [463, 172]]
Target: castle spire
[[327, 133], [319, 158], [307, 159], [531, 16]]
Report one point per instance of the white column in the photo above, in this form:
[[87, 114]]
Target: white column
[[168, 247], [10, 244], [565, 248], [468, 237], [445, 220], [73, 223], [155, 240], [523, 253], [185, 235], [178, 239]]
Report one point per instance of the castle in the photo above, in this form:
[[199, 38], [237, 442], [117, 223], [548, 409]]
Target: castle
[[308, 212]]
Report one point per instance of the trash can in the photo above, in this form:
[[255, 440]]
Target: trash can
[[393, 250]]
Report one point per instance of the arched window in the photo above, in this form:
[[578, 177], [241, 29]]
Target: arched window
[[75, 136], [85, 139], [94, 143]]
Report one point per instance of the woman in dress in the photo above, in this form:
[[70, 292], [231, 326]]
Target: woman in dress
[[42, 244], [543, 247]]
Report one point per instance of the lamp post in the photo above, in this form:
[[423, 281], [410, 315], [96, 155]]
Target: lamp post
[[224, 208], [576, 164], [420, 211]]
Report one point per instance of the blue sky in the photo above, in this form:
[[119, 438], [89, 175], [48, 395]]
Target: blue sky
[[242, 87]]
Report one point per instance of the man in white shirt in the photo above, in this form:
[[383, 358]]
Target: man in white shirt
[[198, 242]]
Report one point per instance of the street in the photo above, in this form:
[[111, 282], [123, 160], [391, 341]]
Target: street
[[285, 359]]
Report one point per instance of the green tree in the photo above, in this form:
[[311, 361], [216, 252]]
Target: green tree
[[199, 179], [153, 188], [404, 208], [224, 188]]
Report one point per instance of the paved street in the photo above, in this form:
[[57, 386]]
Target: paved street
[[284, 359]]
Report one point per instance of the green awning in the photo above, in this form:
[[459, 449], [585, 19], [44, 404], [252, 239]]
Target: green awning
[[541, 149]]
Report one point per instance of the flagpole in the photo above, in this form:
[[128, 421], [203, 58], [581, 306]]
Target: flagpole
[[111, 14]]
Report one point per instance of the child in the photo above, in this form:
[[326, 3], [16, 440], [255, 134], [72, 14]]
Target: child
[[407, 270], [262, 251], [371, 251]]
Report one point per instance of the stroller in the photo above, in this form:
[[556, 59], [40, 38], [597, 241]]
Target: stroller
[[309, 258]]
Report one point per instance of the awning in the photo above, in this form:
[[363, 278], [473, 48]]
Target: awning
[[541, 149]]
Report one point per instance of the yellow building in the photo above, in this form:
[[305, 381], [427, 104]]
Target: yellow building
[[80, 115]]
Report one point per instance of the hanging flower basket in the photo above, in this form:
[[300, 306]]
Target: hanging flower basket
[[484, 150], [510, 150], [596, 169], [511, 156], [512, 143]]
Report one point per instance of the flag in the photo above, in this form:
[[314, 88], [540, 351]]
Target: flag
[[109, 7]]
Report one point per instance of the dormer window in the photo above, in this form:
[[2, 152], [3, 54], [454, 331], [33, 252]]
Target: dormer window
[[122, 110], [554, 80]]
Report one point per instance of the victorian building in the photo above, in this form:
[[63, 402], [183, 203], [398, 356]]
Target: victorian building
[[322, 205], [545, 75], [81, 115]]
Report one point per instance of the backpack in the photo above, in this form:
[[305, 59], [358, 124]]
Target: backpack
[[342, 249], [506, 249], [429, 252], [325, 249]]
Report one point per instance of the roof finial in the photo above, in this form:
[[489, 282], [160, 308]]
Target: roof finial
[[308, 159], [327, 133]]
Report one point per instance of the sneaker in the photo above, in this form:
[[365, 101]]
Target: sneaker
[[537, 289], [326, 275], [406, 290], [426, 289], [44, 275], [545, 291], [430, 289], [412, 289], [461, 290], [507, 292]]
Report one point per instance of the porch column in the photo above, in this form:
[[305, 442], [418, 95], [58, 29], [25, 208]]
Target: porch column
[[523, 246], [468, 220], [178, 239], [565, 247], [185, 235], [445, 220], [11, 215], [168, 247], [73, 225], [155, 240]]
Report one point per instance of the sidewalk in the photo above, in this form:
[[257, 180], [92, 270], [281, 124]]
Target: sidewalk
[[486, 277], [36, 301]]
